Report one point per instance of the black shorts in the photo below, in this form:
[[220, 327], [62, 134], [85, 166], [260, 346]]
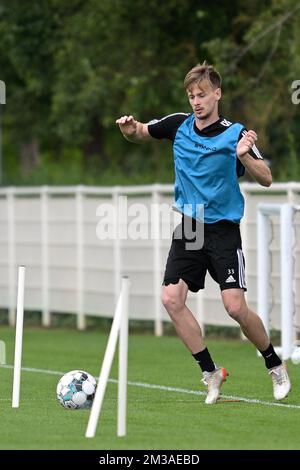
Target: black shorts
[[221, 255]]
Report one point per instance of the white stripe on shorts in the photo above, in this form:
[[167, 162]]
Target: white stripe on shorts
[[241, 262]]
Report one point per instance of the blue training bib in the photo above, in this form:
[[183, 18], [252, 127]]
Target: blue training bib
[[205, 174]]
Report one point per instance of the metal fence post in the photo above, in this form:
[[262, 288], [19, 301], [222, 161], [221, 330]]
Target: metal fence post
[[46, 318], [158, 324], [287, 300], [117, 243], [244, 236], [11, 255], [81, 320], [263, 268]]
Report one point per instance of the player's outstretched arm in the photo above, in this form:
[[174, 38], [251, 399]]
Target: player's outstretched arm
[[133, 130], [257, 168]]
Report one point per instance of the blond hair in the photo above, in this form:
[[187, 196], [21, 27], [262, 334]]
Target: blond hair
[[202, 72]]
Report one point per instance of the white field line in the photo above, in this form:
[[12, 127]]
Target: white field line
[[167, 389]]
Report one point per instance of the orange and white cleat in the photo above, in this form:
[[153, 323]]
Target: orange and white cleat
[[281, 381], [214, 381]]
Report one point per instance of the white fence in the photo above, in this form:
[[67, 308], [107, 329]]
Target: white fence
[[52, 230]]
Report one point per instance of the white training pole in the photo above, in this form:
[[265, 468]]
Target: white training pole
[[105, 369], [19, 337], [123, 352]]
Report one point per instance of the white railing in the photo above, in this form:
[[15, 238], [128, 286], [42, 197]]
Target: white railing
[[52, 230]]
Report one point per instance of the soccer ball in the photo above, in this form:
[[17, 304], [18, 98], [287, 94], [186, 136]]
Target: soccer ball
[[76, 390]]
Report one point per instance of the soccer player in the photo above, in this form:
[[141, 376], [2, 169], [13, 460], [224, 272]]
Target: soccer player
[[210, 153]]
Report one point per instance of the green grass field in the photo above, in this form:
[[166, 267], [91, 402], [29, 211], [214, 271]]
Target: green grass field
[[157, 418]]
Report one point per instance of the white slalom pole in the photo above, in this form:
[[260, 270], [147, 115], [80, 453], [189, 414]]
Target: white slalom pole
[[106, 366], [123, 352], [19, 338]]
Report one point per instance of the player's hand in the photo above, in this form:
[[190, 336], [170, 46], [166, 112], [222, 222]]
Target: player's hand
[[127, 125], [246, 143]]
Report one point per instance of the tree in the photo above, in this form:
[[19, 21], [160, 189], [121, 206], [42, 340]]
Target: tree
[[258, 70], [72, 68]]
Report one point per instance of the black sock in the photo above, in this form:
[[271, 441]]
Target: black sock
[[204, 360], [271, 358]]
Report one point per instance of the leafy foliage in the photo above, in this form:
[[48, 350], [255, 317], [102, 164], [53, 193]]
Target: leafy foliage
[[72, 68]]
